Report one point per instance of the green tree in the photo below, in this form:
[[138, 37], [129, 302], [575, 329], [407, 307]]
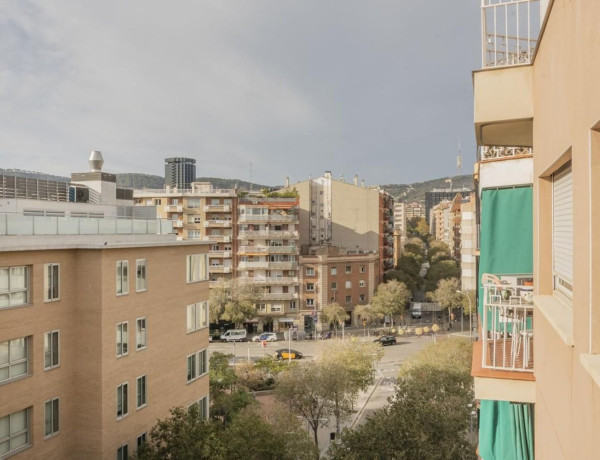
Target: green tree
[[221, 374], [446, 294], [235, 302], [367, 313], [407, 271], [443, 269], [335, 314], [391, 299]]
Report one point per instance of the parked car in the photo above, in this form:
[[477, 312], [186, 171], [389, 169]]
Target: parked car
[[284, 353], [416, 312], [386, 340], [234, 335], [268, 336]]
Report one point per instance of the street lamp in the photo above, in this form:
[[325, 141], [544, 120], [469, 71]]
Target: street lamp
[[463, 315]]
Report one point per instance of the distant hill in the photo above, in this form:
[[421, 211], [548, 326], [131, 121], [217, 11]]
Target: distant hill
[[137, 181], [33, 175], [416, 191]]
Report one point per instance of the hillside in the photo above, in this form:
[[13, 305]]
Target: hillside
[[137, 180], [32, 175], [416, 191]]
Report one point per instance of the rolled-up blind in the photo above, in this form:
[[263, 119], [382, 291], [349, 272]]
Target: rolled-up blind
[[562, 228]]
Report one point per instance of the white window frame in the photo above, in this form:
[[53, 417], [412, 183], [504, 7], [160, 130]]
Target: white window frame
[[203, 406], [310, 271], [348, 299], [9, 291], [123, 391], [362, 283], [362, 269], [143, 395], [123, 452], [292, 304], [310, 287], [333, 271], [199, 361], [51, 288], [124, 335], [141, 279], [51, 349], [197, 316], [141, 333], [51, 417], [25, 431], [310, 302], [348, 269], [141, 439], [562, 247], [122, 272], [15, 363], [193, 375], [196, 268], [361, 297], [348, 284]]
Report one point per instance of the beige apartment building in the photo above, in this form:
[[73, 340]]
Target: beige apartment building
[[441, 224], [466, 238], [329, 275], [537, 100], [200, 213]]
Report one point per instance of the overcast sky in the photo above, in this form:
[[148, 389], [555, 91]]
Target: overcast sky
[[381, 89]]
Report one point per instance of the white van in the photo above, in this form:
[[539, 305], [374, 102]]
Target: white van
[[416, 312], [234, 335]]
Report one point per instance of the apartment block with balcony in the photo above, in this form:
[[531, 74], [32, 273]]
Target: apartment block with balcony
[[467, 242], [267, 255], [200, 213]]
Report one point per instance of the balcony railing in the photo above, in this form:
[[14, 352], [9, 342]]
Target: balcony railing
[[245, 265], [173, 208], [264, 218], [217, 223], [490, 153], [510, 30], [283, 265], [220, 254], [272, 280], [219, 269], [507, 322], [218, 238], [286, 234], [217, 208], [268, 250], [178, 224], [279, 296]]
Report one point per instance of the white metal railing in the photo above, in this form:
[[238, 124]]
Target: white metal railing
[[283, 265], [244, 265], [279, 296], [507, 322], [217, 208], [19, 224], [219, 269], [268, 218], [221, 223], [173, 208], [509, 31], [220, 254], [218, 238], [268, 234], [268, 249], [270, 280], [178, 223], [495, 152]]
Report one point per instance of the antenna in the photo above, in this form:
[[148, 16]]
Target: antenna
[[459, 159], [250, 176]]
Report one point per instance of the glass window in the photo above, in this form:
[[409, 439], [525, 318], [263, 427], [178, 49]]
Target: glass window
[[140, 275], [310, 271], [122, 400], [203, 406], [348, 284], [310, 286], [123, 452], [140, 333], [361, 298], [141, 391], [197, 267], [122, 277], [14, 358], [122, 339], [348, 269], [348, 299], [51, 349], [191, 367], [14, 286], [334, 285], [51, 282], [202, 362], [334, 270], [141, 440], [14, 431], [362, 283], [51, 413], [362, 269], [197, 316]]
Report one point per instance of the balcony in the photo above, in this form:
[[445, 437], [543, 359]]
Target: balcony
[[219, 269], [291, 265], [268, 218], [268, 250], [278, 234], [173, 208], [219, 254], [217, 208], [271, 280], [280, 296], [217, 238], [177, 224], [251, 265], [507, 323], [217, 223]]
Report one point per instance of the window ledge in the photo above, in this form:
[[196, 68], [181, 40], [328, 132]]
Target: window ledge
[[558, 315], [591, 363]]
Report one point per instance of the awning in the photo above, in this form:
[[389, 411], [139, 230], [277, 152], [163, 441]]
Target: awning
[[251, 321], [285, 320]]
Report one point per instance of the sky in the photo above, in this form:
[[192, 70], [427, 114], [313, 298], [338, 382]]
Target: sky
[[254, 89]]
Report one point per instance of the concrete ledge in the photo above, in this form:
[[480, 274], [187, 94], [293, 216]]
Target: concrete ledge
[[558, 315], [591, 363], [522, 391]]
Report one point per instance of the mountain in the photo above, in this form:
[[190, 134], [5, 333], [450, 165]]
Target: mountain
[[137, 181], [416, 191], [32, 175]]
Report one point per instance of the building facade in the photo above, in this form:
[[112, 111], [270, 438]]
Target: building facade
[[180, 172]]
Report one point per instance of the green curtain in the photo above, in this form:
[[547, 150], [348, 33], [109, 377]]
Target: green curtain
[[506, 431]]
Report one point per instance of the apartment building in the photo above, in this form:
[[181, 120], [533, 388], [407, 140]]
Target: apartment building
[[267, 255], [180, 172], [467, 241], [441, 224], [329, 275], [201, 213], [415, 209], [537, 122]]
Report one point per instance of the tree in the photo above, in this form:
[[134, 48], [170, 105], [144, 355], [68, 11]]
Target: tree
[[235, 302], [407, 271], [221, 374], [391, 299], [469, 304], [440, 270], [335, 314], [367, 313], [427, 418], [446, 294]]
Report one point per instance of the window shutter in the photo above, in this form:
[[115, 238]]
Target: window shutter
[[562, 228]]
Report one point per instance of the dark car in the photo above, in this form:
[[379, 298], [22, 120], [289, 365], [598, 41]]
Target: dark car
[[284, 353], [386, 340]]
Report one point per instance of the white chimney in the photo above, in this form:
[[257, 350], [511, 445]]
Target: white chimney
[[355, 181], [327, 175], [96, 161], [362, 182], [287, 182]]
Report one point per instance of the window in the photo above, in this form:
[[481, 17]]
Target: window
[[562, 229], [14, 359], [141, 391], [276, 308], [193, 203], [141, 440], [197, 316], [14, 431], [262, 307], [122, 398], [122, 277], [293, 305], [361, 298], [51, 417], [334, 270], [203, 407], [310, 302], [334, 285], [157, 202], [348, 284], [140, 275], [140, 333], [348, 269], [361, 269], [197, 365], [51, 350], [310, 271], [362, 283], [310, 287], [348, 299], [123, 452], [197, 268], [51, 282], [122, 339], [14, 286]]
